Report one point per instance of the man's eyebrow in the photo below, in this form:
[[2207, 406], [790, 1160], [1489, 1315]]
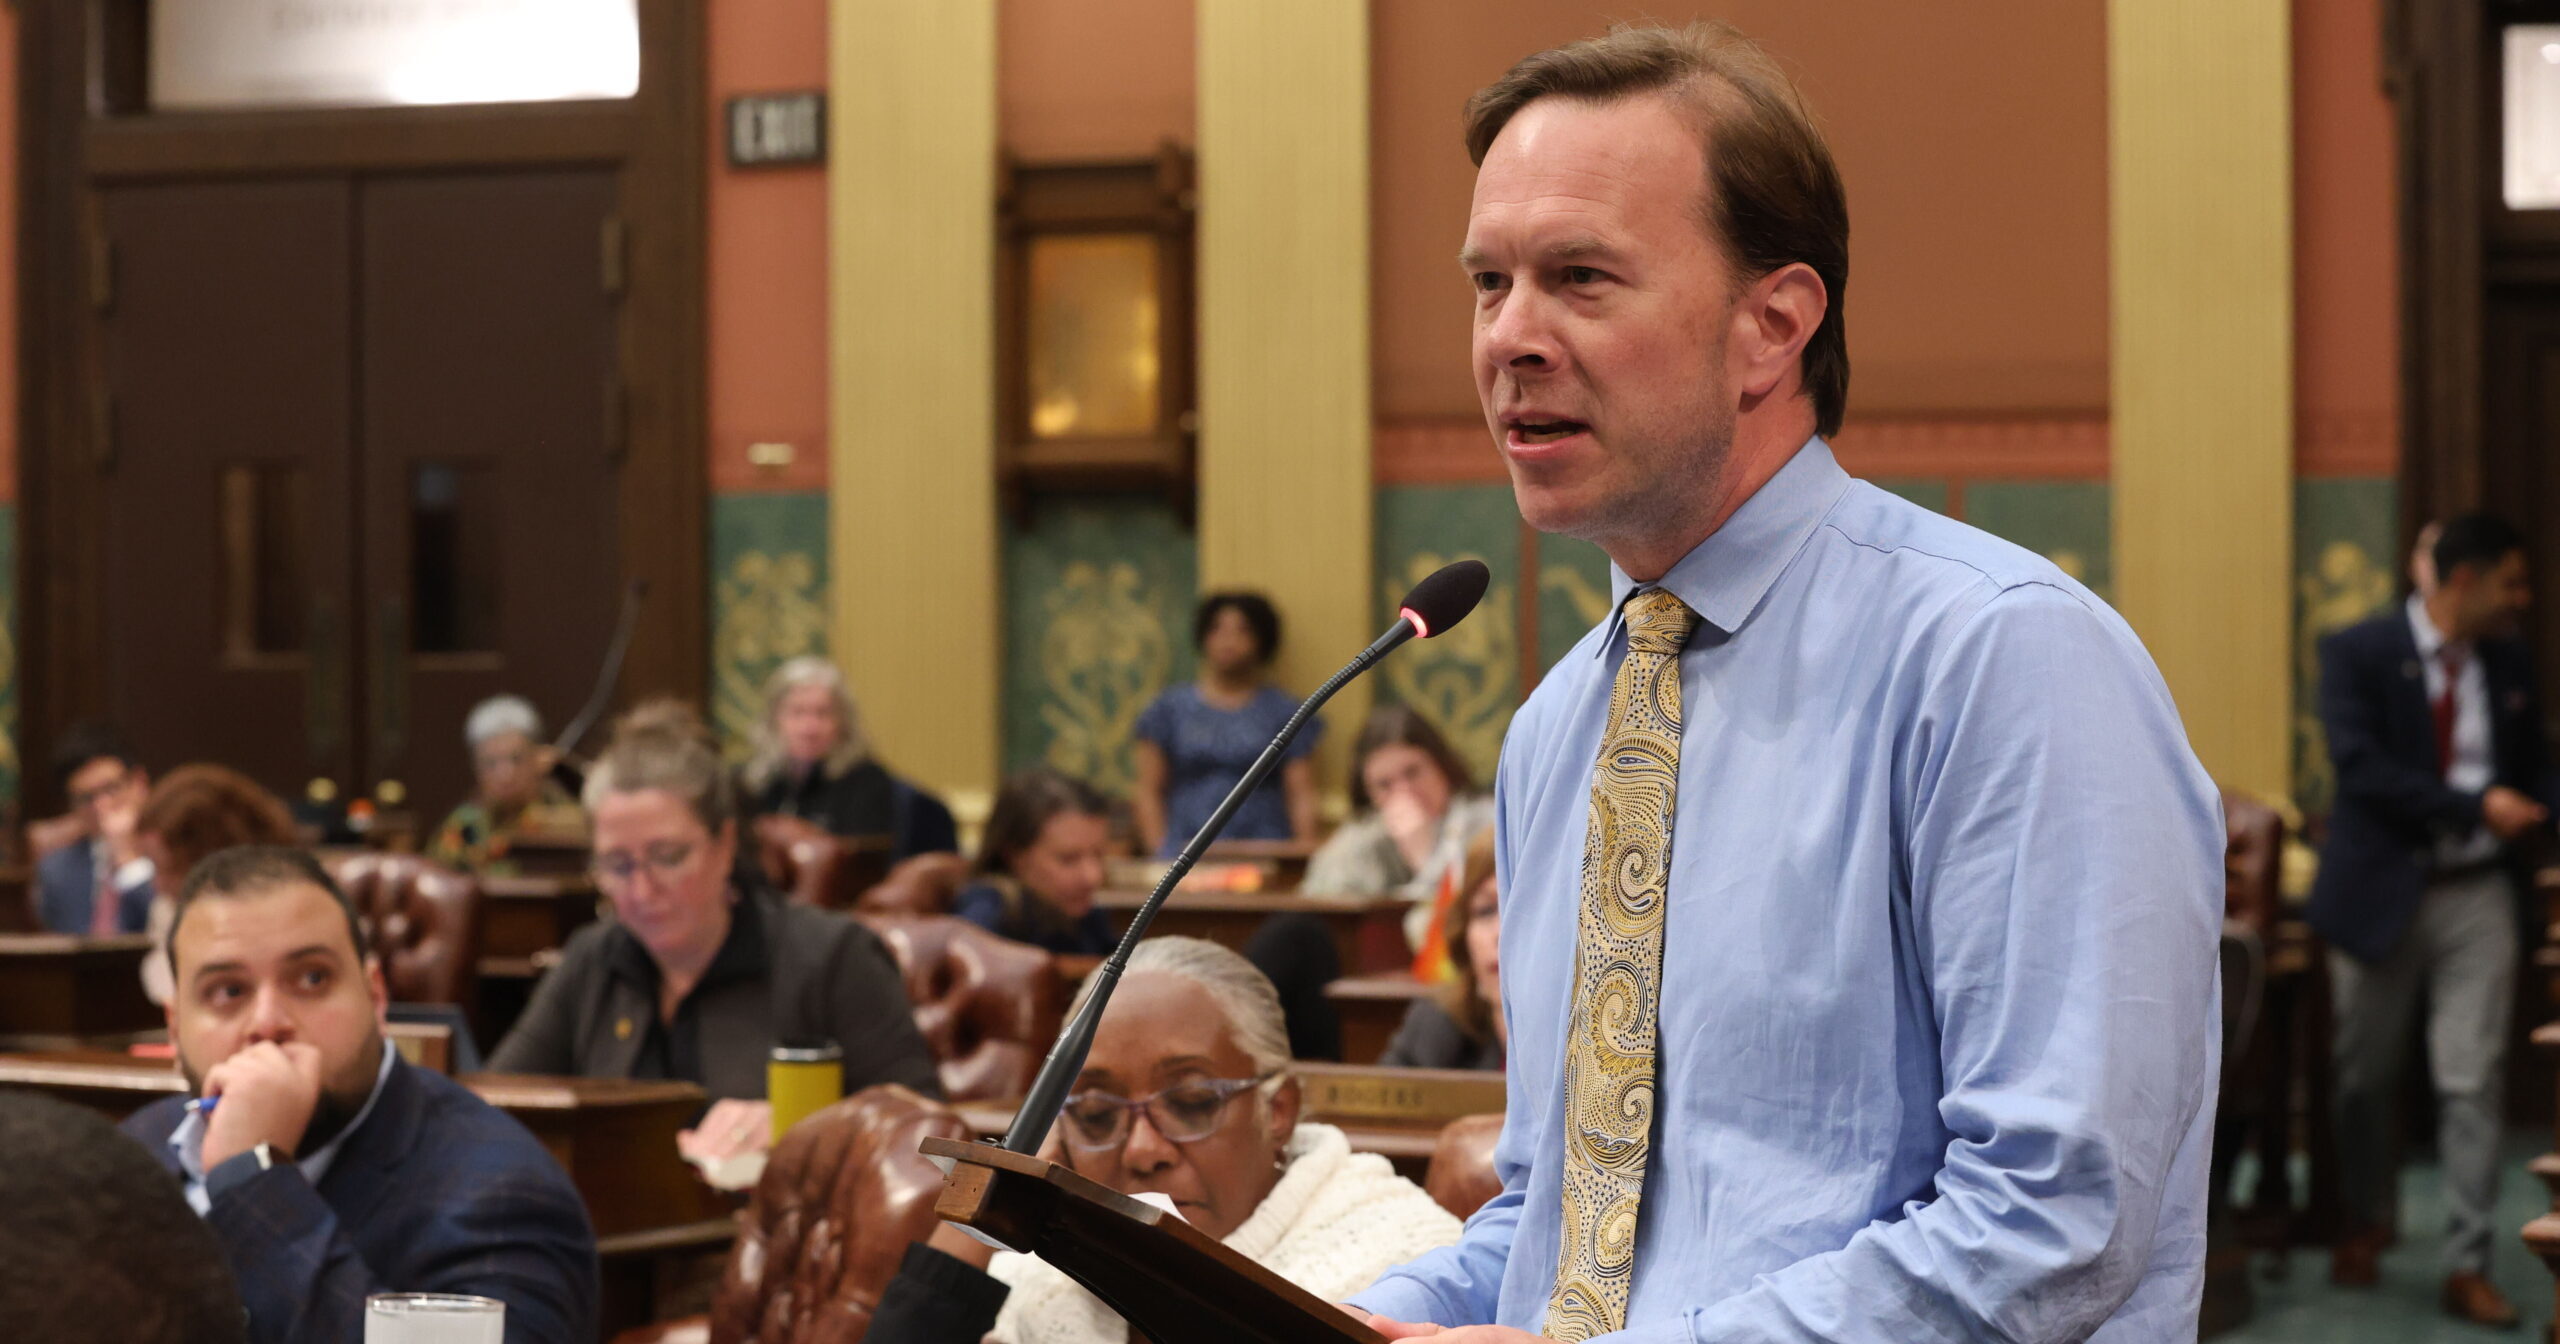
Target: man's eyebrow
[[1573, 248]]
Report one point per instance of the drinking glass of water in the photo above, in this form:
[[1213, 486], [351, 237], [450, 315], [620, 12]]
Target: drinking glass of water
[[433, 1318]]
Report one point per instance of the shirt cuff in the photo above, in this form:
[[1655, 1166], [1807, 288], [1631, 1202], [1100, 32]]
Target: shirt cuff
[[1401, 1300], [235, 1171]]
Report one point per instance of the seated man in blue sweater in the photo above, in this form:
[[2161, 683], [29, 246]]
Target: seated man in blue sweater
[[328, 1168]]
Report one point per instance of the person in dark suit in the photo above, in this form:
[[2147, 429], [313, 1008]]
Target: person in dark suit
[[2437, 742], [96, 1247], [696, 976], [100, 883], [328, 1168]]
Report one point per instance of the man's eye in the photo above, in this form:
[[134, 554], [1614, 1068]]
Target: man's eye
[[221, 994], [1581, 275], [315, 978], [1487, 281]]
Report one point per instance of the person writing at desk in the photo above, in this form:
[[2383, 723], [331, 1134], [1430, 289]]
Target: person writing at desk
[[328, 1168], [1860, 890], [1186, 1096], [694, 977]]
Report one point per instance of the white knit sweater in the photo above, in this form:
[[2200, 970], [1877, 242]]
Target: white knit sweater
[[1335, 1221]]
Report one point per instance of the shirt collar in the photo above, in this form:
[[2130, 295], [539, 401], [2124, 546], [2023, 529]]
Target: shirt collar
[[2431, 641], [1724, 577], [187, 1140]]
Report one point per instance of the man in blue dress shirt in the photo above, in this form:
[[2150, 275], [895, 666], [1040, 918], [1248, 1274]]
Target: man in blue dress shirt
[[1936, 1021]]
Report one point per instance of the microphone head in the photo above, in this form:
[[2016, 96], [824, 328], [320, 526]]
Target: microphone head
[[1445, 598]]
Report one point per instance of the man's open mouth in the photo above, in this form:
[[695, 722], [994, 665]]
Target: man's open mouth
[[1547, 431]]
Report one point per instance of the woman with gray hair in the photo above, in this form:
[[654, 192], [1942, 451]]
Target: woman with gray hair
[[811, 761], [1186, 1099], [518, 796]]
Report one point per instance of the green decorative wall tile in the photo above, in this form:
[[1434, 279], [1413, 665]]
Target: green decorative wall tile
[[1930, 495], [1467, 681], [1573, 594], [2346, 565], [768, 599], [1098, 592], [2063, 521]]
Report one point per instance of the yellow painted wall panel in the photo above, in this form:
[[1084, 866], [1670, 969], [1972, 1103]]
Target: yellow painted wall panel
[[911, 495], [1284, 329], [2200, 176]]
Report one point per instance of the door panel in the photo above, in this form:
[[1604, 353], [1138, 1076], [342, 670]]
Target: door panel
[[227, 597], [490, 377], [2521, 433]]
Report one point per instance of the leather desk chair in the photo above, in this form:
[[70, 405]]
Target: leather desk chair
[[813, 867], [842, 1195], [423, 922], [928, 884], [1460, 1177], [988, 1007], [2253, 863]]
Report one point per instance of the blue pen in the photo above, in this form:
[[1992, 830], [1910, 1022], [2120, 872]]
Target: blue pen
[[202, 1105]]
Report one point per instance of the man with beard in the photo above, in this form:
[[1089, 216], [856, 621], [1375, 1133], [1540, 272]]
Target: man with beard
[[328, 1168]]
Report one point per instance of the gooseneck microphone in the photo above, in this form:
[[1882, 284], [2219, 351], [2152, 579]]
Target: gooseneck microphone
[[1434, 605]]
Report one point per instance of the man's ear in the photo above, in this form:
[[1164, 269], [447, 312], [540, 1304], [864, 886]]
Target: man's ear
[[1777, 316], [380, 989]]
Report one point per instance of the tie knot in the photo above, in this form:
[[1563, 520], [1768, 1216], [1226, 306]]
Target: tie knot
[[1657, 622]]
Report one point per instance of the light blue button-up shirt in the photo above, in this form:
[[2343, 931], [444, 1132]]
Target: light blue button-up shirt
[[1939, 1020]]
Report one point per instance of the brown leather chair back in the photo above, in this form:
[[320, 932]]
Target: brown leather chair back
[[2252, 863], [842, 1196], [928, 884], [1461, 1175], [424, 922], [814, 868], [987, 1006]]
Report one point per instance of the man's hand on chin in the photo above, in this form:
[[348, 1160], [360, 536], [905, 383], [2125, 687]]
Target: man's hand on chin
[[268, 1093]]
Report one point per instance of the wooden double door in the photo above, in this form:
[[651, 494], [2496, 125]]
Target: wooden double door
[[359, 439]]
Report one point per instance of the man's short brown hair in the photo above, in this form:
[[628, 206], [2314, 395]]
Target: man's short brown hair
[[1773, 194]]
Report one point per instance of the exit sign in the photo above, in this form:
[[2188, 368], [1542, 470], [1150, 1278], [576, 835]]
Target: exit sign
[[777, 128]]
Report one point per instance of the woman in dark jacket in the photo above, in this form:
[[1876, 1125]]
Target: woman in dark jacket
[[811, 761], [1461, 1026], [1040, 866], [696, 977]]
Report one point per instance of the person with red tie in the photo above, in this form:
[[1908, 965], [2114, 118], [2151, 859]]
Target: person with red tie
[[2436, 738]]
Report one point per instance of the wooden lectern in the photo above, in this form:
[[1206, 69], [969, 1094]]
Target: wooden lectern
[[1168, 1280]]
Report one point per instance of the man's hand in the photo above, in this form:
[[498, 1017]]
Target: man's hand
[[2509, 814], [116, 816], [1464, 1334], [732, 1127], [268, 1092]]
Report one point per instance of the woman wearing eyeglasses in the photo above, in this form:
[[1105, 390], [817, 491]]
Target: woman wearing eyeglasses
[[1186, 1095], [695, 977]]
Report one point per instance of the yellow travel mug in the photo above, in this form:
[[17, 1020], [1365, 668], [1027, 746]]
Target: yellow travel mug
[[801, 1079]]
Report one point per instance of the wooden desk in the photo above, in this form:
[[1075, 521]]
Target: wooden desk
[[1368, 931], [1371, 1007], [1395, 1113], [62, 986]]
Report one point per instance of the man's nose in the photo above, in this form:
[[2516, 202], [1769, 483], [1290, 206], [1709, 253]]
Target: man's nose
[[270, 1018], [1521, 335]]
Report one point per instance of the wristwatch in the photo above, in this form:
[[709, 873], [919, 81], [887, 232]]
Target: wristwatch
[[241, 1168]]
